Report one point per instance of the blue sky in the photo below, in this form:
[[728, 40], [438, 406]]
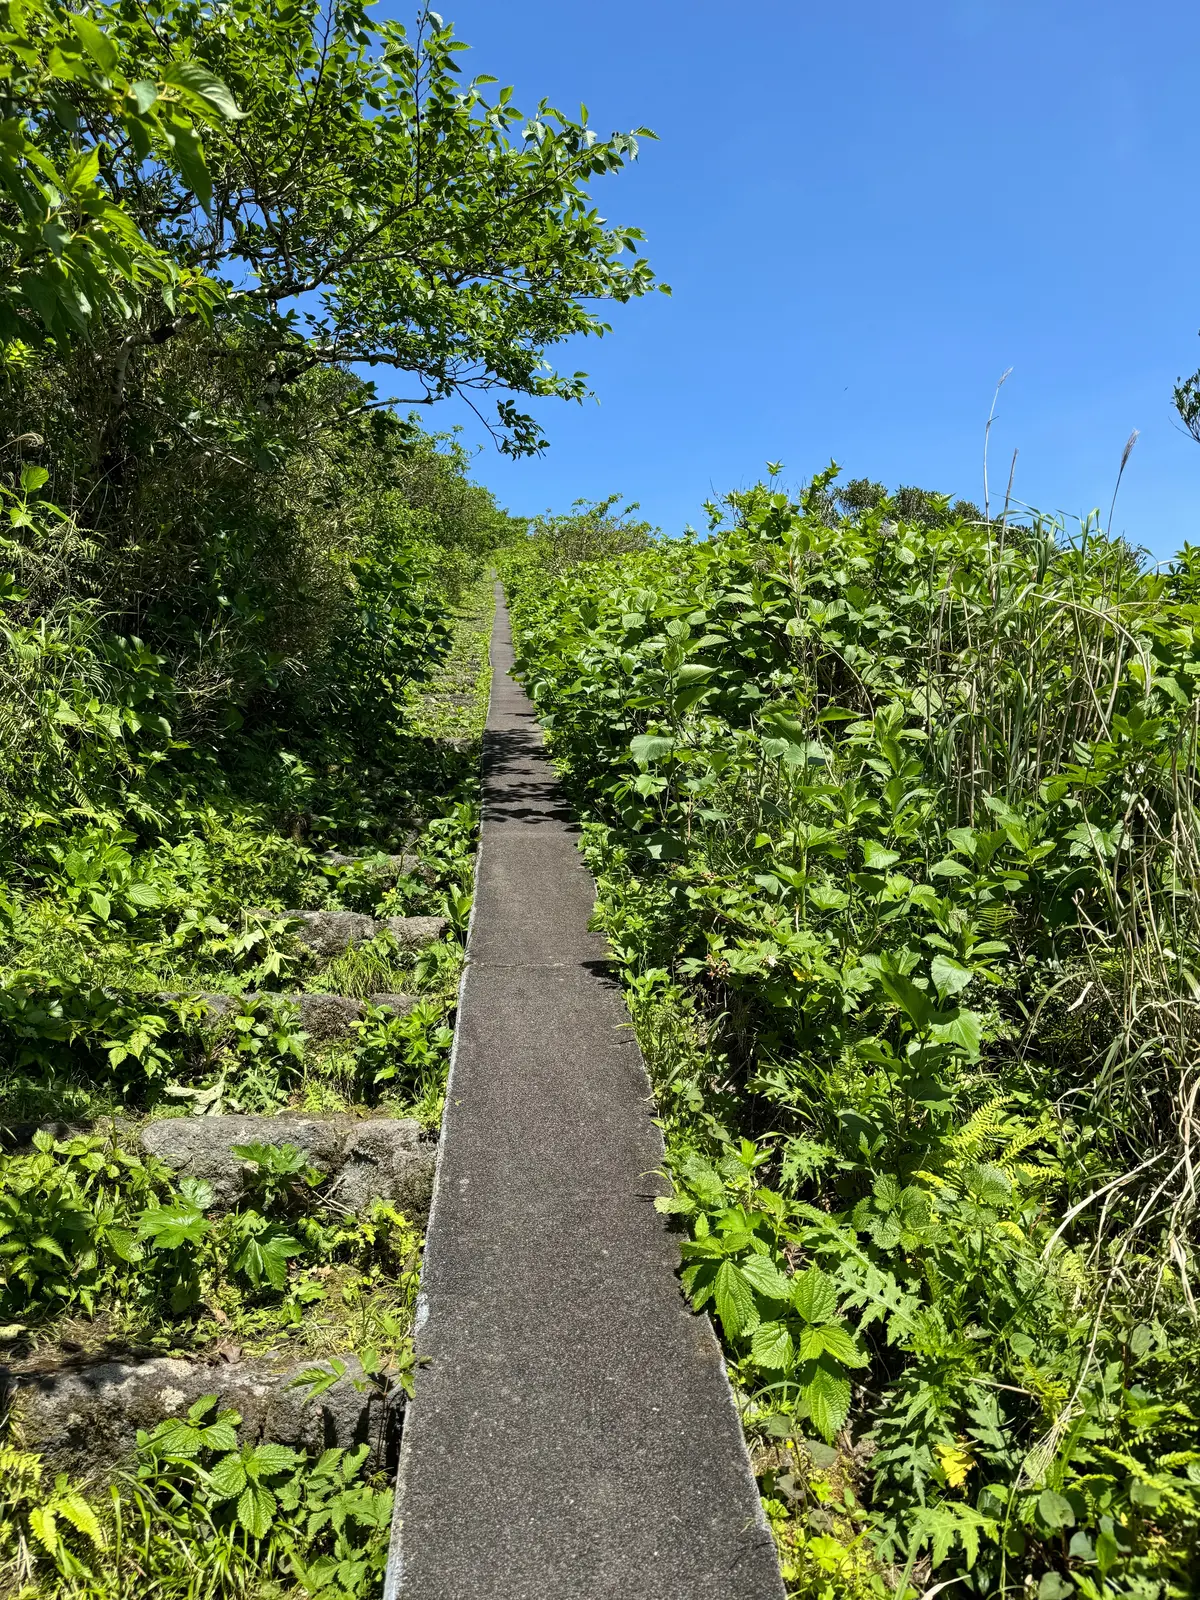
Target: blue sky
[[867, 213]]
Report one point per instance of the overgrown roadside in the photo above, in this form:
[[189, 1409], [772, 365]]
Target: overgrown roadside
[[892, 814], [265, 1257], [241, 615]]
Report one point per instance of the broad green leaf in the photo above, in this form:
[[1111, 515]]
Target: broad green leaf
[[143, 93], [122, 1243], [205, 87], [828, 1397], [256, 1510], [734, 1300], [1055, 1510], [647, 747], [220, 1436], [100, 904], [185, 142], [271, 1458], [831, 1339], [949, 977], [705, 1182], [814, 1296], [990, 1185], [877, 857], [964, 1030], [766, 1277], [915, 1002], [771, 1346], [97, 43], [228, 1478]]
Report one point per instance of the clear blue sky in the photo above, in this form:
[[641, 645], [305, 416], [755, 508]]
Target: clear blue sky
[[867, 213]]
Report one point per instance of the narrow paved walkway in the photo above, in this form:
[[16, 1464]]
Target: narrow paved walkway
[[573, 1433]]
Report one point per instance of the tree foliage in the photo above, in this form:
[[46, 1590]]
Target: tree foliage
[[351, 200]]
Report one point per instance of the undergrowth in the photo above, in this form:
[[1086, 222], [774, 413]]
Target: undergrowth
[[892, 812]]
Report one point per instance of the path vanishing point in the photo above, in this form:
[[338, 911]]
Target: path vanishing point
[[573, 1432]]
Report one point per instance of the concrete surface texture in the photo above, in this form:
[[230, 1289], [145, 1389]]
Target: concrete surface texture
[[573, 1433]]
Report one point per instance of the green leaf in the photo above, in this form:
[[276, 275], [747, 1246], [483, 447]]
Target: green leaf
[[122, 1243], [271, 1458], [964, 1030], [990, 1185], [828, 1397], [100, 904], [734, 1300], [143, 93], [649, 747], [1054, 1587], [189, 155], [168, 1227], [256, 1510], [766, 1277], [913, 1001], [877, 857], [97, 43], [228, 1478], [771, 1346], [220, 1436], [1055, 1510], [265, 1256], [704, 1181], [949, 977], [833, 1340], [814, 1296], [693, 672], [687, 698], [207, 88]]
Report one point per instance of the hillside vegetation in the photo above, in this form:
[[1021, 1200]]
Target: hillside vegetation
[[893, 813], [243, 620]]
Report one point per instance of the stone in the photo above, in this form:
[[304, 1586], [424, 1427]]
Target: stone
[[377, 1158], [329, 933], [385, 1159], [384, 868], [324, 1017], [414, 933], [83, 1420]]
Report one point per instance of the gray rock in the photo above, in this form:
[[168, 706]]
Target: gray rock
[[380, 1158], [383, 868], [414, 933], [389, 1160], [328, 1016], [324, 1017], [85, 1420], [328, 933]]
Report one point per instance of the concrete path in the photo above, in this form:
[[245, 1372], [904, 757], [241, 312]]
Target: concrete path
[[573, 1433]]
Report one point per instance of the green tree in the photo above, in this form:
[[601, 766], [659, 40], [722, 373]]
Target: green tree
[[355, 200], [71, 253]]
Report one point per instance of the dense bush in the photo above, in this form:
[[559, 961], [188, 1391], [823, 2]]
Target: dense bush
[[226, 558], [893, 812]]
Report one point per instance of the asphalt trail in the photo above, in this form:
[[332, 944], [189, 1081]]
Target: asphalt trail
[[573, 1432]]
